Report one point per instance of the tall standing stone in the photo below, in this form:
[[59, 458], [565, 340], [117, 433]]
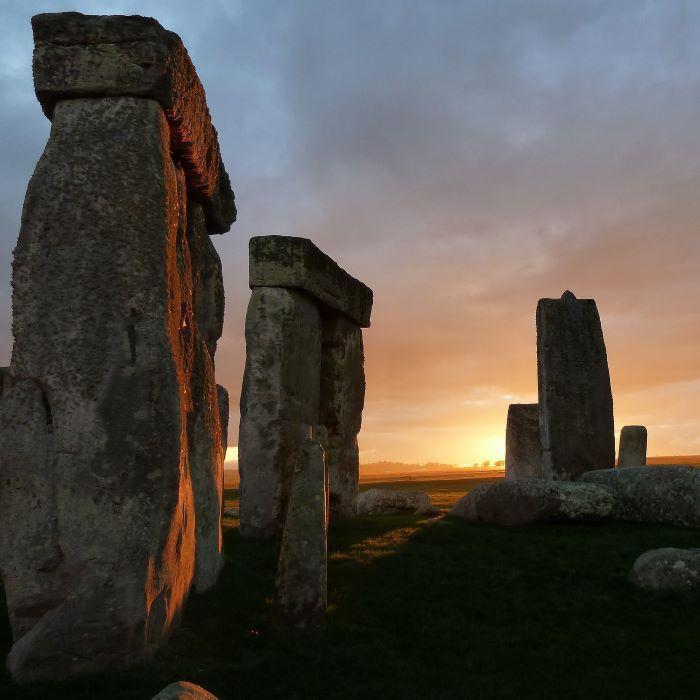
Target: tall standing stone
[[342, 400], [523, 446], [301, 580], [281, 392], [575, 399], [110, 396], [304, 365], [633, 446]]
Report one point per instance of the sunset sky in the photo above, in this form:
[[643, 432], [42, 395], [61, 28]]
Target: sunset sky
[[463, 159]]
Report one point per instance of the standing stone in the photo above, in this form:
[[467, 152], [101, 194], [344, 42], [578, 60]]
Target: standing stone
[[304, 365], [523, 446], [633, 446], [110, 438], [4, 374], [301, 580], [281, 393], [342, 400], [575, 399], [222, 396]]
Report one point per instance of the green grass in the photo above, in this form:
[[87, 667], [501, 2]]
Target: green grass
[[440, 609]]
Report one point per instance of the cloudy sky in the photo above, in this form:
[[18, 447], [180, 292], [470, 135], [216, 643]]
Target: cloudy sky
[[464, 159]]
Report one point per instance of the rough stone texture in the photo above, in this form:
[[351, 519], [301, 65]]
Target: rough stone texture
[[287, 261], [633, 446], [467, 506], [183, 690], [301, 580], [222, 396], [4, 374], [342, 400], [382, 501], [658, 494], [523, 446], [530, 501], [281, 393], [667, 569], [79, 55], [98, 529], [575, 399]]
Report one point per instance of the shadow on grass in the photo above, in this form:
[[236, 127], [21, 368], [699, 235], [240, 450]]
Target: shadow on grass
[[435, 610]]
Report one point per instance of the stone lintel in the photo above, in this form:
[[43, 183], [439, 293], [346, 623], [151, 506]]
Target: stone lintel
[[78, 55], [288, 261]]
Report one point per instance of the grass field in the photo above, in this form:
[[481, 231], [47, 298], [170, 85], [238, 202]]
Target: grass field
[[434, 609]]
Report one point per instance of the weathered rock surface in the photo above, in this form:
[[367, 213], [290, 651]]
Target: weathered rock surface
[[530, 501], [97, 542], [287, 261], [658, 494], [575, 399], [667, 569], [342, 400], [301, 580], [281, 393], [222, 396], [523, 446], [384, 502], [80, 55], [182, 690], [633, 446], [4, 374]]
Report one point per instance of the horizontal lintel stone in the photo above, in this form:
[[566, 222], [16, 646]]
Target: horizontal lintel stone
[[289, 261], [78, 55]]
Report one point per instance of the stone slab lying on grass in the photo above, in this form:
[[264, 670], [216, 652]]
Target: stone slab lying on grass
[[384, 502], [529, 501], [658, 494], [667, 569], [182, 690]]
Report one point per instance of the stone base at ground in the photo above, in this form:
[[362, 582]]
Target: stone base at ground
[[658, 494], [530, 501], [383, 502], [182, 690], [667, 569]]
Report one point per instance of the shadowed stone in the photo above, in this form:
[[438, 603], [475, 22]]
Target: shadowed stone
[[575, 399], [4, 374], [287, 261], [183, 690], [222, 396], [531, 501], [658, 494], [78, 55], [667, 569], [301, 580], [342, 400], [281, 393], [633, 446], [97, 543], [523, 446]]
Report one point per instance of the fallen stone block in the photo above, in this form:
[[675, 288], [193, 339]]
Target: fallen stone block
[[659, 494], [384, 502], [288, 261], [531, 501], [667, 569], [575, 399], [523, 445], [300, 596], [633, 446]]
